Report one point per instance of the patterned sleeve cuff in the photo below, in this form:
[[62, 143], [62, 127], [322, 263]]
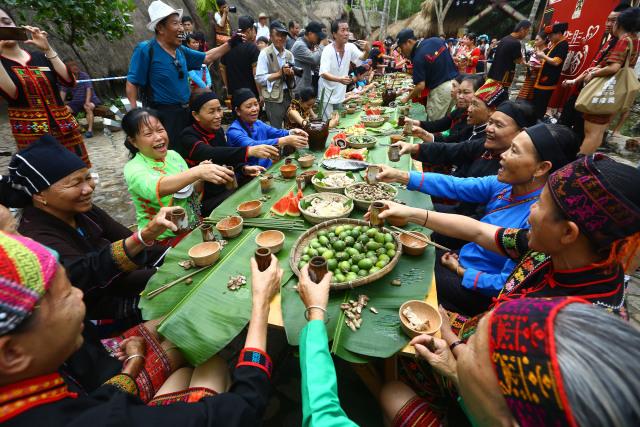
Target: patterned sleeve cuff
[[121, 258], [125, 383], [256, 358], [512, 242]]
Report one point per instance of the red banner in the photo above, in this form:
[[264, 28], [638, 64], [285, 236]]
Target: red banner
[[587, 20]]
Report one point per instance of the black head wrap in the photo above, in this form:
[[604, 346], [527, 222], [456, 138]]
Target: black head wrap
[[241, 95], [202, 99], [516, 111], [549, 148], [37, 168]]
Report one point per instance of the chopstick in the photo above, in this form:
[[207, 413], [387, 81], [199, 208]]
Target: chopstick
[[169, 285], [422, 239]]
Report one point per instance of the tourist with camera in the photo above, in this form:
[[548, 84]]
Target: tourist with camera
[[238, 67], [275, 75], [307, 51]]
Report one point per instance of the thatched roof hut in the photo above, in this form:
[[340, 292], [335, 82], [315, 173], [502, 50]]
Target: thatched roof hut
[[424, 23]]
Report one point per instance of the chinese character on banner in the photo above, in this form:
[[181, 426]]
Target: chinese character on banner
[[586, 34]]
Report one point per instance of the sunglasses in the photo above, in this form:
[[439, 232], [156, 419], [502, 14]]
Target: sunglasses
[[179, 69]]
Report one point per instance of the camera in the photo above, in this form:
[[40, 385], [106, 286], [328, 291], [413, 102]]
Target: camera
[[297, 71], [233, 9]]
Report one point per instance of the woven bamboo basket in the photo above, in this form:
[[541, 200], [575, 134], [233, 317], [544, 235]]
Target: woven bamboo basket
[[303, 240], [324, 188], [373, 121], [316, 219], [364, 204]]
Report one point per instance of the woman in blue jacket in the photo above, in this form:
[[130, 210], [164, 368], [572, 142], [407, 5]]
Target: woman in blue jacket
[[246, 130], [468, 280]]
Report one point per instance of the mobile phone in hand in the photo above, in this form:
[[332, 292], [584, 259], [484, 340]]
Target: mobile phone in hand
[[13, 33]]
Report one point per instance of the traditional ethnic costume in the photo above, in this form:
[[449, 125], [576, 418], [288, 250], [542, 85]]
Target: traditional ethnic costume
[[453, 127], [27, 270], [533, 71], [549, 75], [523, 353], [296, 105], [36, 108]]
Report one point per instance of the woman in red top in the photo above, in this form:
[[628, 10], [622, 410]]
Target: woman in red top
[[468, 55], [626, 29], [29, 83]]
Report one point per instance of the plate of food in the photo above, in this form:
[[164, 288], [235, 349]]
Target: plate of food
[[332, 182], [373, 121], [363, 141], [320, 207], [364, 194]]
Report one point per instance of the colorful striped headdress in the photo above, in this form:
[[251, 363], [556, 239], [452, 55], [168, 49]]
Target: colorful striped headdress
[[26, 271], [522, 349], [492, 93]]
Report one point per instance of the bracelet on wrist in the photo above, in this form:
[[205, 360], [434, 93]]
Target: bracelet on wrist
[[426, 220], [133, 356], [326, 315], [55, 55], [455, 344]]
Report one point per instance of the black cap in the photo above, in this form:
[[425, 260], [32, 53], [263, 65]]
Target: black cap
[[560, 27], [316, 27], [279, 27], [245, 22], [405, 35]]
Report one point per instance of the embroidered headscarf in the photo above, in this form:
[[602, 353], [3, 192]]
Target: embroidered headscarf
[[601, 196], [522, 349], [26, 271], [492, 93]]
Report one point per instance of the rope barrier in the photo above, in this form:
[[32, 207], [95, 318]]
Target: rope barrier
[[104, 79]]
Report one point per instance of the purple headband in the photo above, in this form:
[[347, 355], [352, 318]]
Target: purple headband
[[587, 198]]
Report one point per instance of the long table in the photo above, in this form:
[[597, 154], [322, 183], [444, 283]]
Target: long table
[[204, 316]]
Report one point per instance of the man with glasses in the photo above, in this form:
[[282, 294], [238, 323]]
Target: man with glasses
[[159, 68]]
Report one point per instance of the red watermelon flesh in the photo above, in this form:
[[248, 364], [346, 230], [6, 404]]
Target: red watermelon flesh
[[281, 206], [293, 209]]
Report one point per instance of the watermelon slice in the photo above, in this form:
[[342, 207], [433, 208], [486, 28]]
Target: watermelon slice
[[281, 206], [299, 196], [293, 209]]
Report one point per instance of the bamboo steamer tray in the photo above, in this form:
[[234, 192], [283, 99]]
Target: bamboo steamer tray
[[316, 219], [303, 240]]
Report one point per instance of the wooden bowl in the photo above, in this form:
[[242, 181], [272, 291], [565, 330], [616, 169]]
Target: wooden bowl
[[308, 175], [271, 239], [250, 209], [288, 171], [306, 161], [424, 311], [396, 138], [205, 253], [411, 245], [230, 226]]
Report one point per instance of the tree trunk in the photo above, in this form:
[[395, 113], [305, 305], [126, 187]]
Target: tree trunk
[[365, 18], [397, 7], [441, 13], [385, 20], [534, 10]]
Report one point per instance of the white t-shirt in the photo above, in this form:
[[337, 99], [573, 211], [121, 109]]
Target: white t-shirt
[[331, 63], [263, 31]]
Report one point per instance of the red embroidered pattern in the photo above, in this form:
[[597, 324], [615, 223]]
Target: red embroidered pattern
[[20, 397]]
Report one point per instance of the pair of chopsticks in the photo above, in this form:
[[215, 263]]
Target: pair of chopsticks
[[422, 239], [169, 285]]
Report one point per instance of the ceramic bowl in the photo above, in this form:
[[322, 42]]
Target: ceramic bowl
[[306, 161], [230, 226], [288, 171], [308, 175], [411, 245], [423, 311], [250, 209], [271, 239], [205, 253], [396, 138], [397, 221]]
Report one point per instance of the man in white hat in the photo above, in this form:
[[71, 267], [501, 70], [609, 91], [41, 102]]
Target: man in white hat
[[159, 69], [262, 28]]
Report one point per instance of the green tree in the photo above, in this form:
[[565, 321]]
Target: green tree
[[76, 21]]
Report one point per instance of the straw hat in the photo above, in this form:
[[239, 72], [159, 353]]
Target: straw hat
[[159, 10], [262, 15]]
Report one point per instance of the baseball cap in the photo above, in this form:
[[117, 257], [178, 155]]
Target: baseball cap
[[316, 27], [245, 22], [279, 27], [406, 35]]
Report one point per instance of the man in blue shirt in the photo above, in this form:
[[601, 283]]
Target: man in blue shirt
[[433, 71], [159, 68]]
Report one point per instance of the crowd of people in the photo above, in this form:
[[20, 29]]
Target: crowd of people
[[541, 228]]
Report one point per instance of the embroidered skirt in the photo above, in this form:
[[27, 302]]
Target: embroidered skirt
[[28, 126], [190, 395], [526, 91], [417, 413], [157, 367]]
